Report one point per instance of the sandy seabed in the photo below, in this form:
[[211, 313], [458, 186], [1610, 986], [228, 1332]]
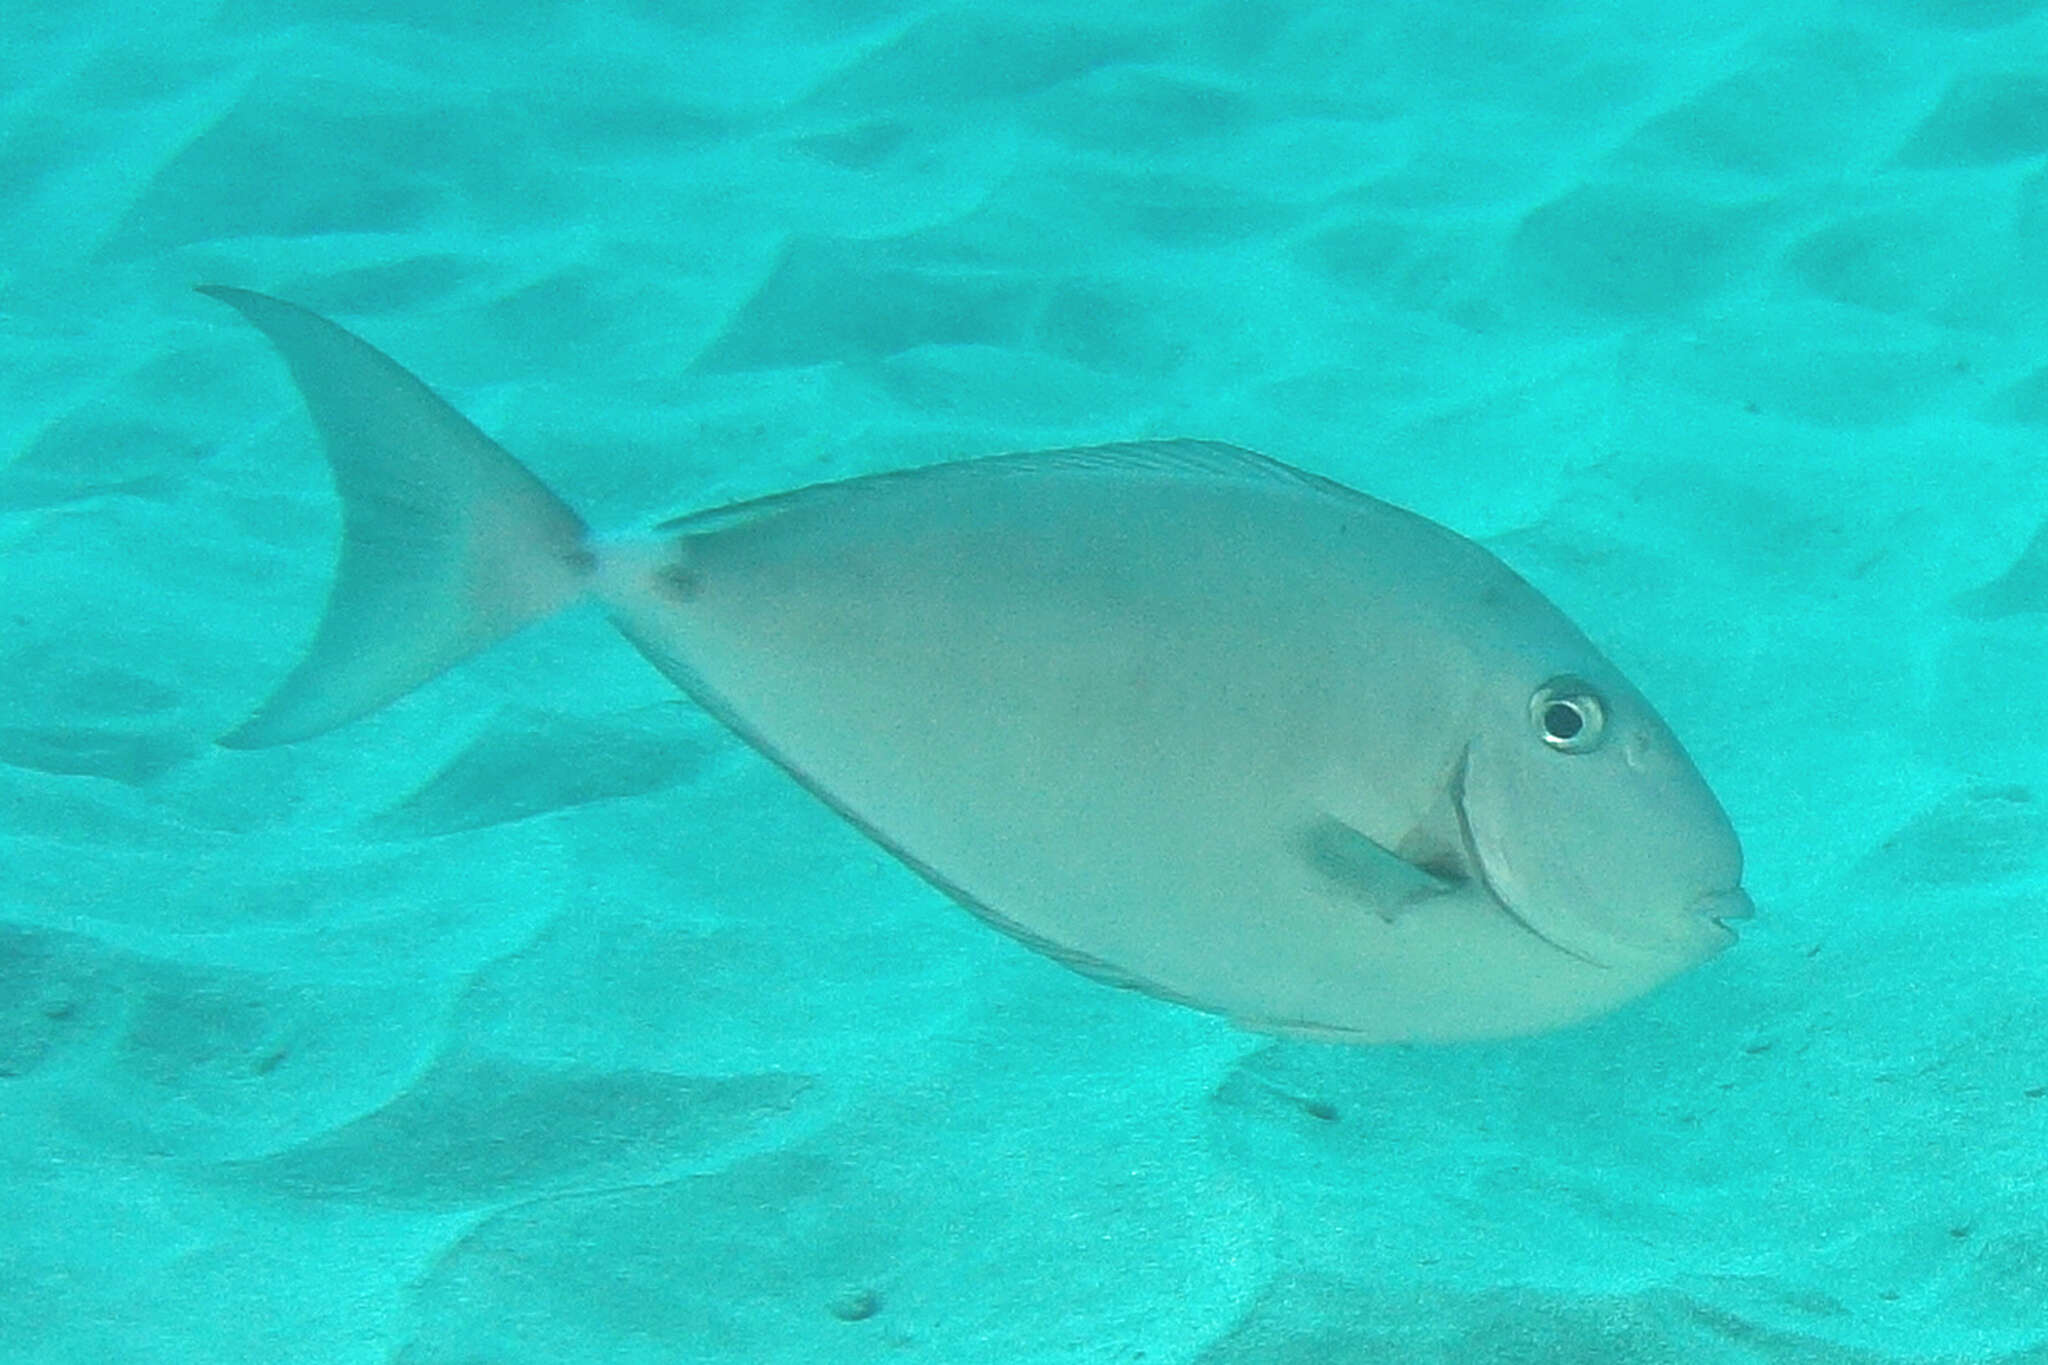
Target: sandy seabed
[[537, 1020]]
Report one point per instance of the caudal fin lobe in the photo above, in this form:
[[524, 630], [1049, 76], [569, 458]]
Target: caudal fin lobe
[[448, 543]]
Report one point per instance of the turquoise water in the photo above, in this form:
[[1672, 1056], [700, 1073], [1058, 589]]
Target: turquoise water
[[536, 1019]]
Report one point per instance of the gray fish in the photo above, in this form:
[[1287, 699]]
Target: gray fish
[[1175, 714]]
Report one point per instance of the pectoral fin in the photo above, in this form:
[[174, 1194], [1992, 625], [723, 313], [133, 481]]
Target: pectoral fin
[[1380, 879]]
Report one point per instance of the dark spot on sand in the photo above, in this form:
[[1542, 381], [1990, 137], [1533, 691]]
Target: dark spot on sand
[[857, 1305]]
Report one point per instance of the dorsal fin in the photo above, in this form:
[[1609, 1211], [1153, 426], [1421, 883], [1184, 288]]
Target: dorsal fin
[[1180, 455], [1215, 461]]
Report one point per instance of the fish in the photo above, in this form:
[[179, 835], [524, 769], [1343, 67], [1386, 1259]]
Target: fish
[[1179, 716]]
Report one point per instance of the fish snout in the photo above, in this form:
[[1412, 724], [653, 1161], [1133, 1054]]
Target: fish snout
[[1725, 908]]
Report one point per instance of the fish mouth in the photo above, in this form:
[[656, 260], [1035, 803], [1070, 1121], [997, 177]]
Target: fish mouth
[[1725, 909]]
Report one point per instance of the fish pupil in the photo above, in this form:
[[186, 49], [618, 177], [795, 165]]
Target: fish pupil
[[1562, 721]]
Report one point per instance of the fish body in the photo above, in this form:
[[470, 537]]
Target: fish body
[[1176, 714]]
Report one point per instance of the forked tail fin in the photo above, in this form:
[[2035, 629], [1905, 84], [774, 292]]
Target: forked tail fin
[[448, 543]]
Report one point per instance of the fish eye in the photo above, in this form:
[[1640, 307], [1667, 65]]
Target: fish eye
[[1569, 715]]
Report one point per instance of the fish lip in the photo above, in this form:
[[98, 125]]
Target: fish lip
[[1725, 908]]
